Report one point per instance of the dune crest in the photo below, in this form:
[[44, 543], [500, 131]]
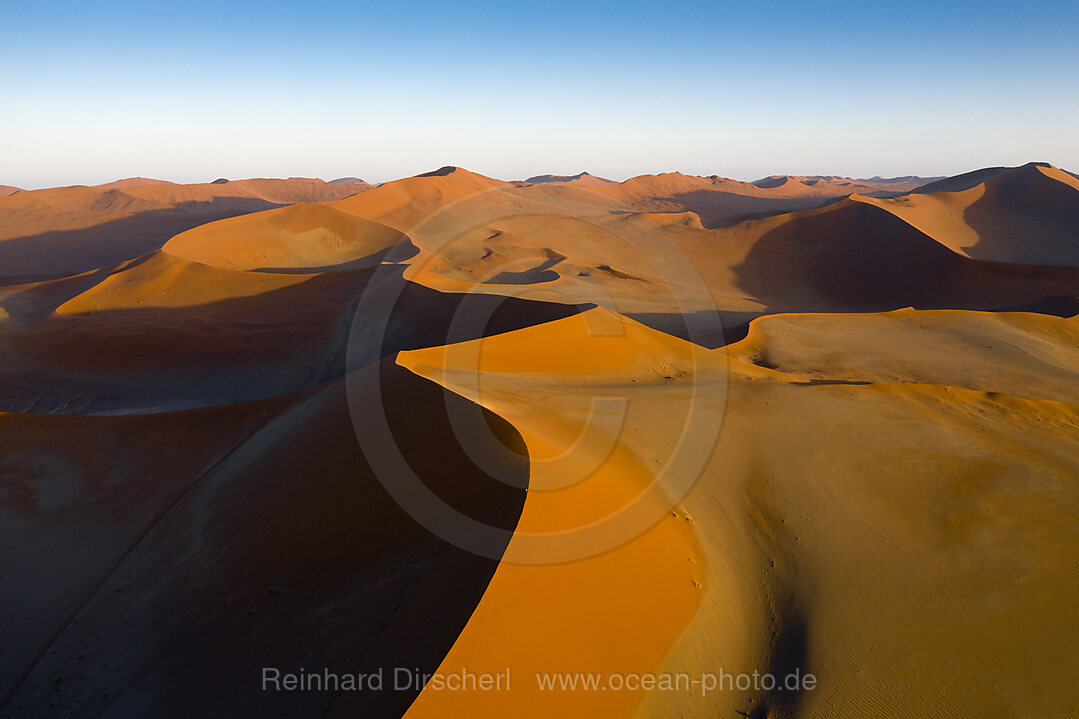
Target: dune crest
[[301, 236]]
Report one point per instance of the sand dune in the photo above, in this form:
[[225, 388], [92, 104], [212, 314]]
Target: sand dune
[[581, 178], [47, 234], [838, 185], [541, 379], [350, 181], [1025, 355], [809, 423], [271, 538], [128, 182], [775, 567], [897, 535], [852, 255], [163, 332], [1024, 214], [301, 236], [718, 201], [403, 203]]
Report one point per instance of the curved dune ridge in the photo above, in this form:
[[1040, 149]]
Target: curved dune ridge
[[301, 236], [843, 412], [574, 622], [404, 203], [1024, 214], [209, 532], [59, 232], [777, 588]]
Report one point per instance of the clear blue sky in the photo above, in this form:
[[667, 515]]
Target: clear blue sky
[[94, 91]]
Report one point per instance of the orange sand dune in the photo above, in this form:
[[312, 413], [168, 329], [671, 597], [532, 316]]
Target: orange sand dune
[[577, 616], [403, 203], [854, 255], [583, 179], [168, 334], [718, 201], [199, 547], [903, 535], [1022, 354], [829, 491], [301, 236], [722, 202], [164, 280], [129, 182], [1027, 214], [850, 255], [277, 191], [162, 332], [46, 234], [844, 185]]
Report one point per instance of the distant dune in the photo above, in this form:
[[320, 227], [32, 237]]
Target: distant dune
[[348, 181], [47, 234], [581, 178], [1022, 214], [906, 183]]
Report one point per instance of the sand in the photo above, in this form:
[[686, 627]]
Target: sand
[[304, 236], [842, 414], [995, 219], [926, 482], [57, 232]]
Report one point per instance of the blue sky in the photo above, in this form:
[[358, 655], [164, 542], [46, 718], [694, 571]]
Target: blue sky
[[189, 92]]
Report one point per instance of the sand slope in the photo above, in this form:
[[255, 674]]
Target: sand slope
[[1024, 214], [722, 202], [924, 491], [301, 236], [184, 568], [46, 234], [577, 616], [584, 179], [403, 203]]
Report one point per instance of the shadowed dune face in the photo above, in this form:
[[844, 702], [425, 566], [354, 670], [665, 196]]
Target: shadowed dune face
[[584, 179], [273, 545], [177, 335], [723, 209], [886, 468], [47, 234], [720, 202], [1038, 204], [854, 256], [52, 254], [1023, 215]]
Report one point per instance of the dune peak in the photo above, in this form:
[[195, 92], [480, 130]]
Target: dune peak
[[440, 172]]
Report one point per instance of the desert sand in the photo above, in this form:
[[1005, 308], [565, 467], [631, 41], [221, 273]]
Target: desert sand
[[53, 233], [805, 424]]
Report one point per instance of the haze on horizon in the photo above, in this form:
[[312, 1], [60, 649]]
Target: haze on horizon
[[198, 91]]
